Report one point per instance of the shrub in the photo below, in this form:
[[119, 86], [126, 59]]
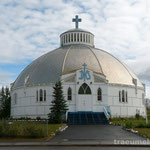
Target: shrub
[[1, 129], [128, 124], [38, 118], [33, 130]]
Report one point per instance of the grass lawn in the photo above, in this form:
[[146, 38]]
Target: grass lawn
[[28, 131], [135, 124], [143, 131]]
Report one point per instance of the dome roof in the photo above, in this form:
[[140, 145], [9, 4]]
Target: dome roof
[[67, 59]]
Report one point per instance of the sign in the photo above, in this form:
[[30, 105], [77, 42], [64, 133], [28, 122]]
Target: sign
[[85, 74]]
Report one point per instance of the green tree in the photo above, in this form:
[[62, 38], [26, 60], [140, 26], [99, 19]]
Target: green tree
[[58, 106], [5, 103]]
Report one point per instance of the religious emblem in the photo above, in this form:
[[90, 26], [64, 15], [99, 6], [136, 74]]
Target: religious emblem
[[76, 20], [85, 74]]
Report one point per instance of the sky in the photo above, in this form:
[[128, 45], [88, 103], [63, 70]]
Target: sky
[[30, 28]]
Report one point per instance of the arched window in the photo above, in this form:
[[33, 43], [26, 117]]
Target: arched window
[[84, 89], [119, 96], [41, 95], [69, 93], [123, 96], [44, 95], [99, 94]]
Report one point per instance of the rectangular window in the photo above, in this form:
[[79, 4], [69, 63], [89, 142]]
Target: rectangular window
[[119, 96], [71, 37], [37, 96], [74, 37], [78, 36], [126, 96], [44, 95], [81, 37]]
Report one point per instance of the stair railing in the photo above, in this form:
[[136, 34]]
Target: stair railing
[[106, 112], [66, 115]]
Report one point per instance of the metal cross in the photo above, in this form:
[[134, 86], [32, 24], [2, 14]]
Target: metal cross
[[84, 65], [76, 20]]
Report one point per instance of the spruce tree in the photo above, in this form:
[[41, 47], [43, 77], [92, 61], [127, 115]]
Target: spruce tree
[[58, 106], [5, 103]]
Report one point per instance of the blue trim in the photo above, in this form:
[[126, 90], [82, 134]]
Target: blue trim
[[87, 117]]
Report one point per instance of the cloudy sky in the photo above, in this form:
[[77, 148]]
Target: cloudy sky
[[30, 28]]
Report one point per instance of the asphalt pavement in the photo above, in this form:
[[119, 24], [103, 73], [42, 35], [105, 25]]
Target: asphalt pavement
[[95, 133]]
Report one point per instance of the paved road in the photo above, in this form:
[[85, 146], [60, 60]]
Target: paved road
[[74, 148], [95, 133]]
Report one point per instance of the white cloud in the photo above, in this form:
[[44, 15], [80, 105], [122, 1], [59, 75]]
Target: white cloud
[[30, 28]]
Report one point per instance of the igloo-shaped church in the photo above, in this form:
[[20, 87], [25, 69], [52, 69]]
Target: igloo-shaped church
[[93, 81]]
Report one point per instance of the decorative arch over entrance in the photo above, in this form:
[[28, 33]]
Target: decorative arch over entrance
[[84, 89]]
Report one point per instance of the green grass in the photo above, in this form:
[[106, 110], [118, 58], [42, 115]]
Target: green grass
[[143, 131], [131, 122], [27, 129]]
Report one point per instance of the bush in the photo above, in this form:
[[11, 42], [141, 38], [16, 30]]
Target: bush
[[38, 118], [34, 131], [1, 129], [128, 125], [22, 129]]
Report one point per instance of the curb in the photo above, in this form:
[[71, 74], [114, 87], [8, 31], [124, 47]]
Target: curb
[[100, 144]]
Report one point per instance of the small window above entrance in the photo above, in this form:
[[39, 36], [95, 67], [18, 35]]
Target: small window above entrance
[[84, 89]]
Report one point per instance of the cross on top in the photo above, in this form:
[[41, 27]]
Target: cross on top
[[84, 65], [76, 20]]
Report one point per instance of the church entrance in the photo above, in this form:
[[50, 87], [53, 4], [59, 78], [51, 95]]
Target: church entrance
[[84, 98]]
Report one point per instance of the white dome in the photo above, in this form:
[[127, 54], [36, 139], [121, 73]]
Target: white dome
[[67, 59]]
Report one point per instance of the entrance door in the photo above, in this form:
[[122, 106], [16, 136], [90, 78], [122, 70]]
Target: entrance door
[[84, 98], [85, 103]]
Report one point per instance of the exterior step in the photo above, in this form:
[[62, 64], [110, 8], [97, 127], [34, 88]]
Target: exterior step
[[86, 118]]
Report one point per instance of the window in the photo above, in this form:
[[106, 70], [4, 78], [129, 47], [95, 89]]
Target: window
[[126, 96], [84, 89], [99, 94], [71, 37], [64, 38], [119, 96], [81, 37], [41, 95], [44, 95], [69, 93], [123, 96], [86, 38], [74, 37], [37, 96], [78, 37]]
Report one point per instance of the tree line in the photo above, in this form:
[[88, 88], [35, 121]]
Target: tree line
[[58, 105], [5, 101]]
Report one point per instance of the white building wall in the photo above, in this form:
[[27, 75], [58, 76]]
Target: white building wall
[[27, 105], [125, 109]]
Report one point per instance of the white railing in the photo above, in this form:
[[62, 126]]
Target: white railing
[[66, 115], [106, 110]]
